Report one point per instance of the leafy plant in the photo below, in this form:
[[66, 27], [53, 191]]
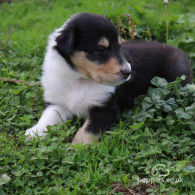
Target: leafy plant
[[158, 130]]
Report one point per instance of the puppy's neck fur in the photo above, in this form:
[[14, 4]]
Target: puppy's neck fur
[[65, 86]]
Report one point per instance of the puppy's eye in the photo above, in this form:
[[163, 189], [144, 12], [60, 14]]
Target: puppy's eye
[[101, 48]]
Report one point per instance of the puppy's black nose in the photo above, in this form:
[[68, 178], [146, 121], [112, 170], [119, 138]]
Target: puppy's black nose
[[125, 73]]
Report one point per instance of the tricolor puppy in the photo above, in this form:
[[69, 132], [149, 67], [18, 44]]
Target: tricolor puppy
[[87, 71]]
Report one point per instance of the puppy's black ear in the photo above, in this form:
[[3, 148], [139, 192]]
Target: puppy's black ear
[[65, 42]]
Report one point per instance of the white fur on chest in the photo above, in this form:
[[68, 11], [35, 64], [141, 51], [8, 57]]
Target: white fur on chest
[[68, 88], [77, 96], [83, 94]]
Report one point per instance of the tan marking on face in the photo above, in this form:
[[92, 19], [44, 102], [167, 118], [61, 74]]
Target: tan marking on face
[[82, 136], [103, 42], [105, 73]]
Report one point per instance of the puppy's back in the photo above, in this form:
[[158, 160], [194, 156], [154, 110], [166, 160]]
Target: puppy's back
[[149, 59]]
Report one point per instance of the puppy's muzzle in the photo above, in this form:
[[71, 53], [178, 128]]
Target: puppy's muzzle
[[126, 73]]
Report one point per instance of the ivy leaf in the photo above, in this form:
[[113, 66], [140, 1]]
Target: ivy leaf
[[167, 108], [159, 82], [182, 114], [147, 103], [4, 179], [17, 170], [180, 165], [169, 105], [147, 132], [161, 92], [142, 116], [157, 101], [189, 169], [136, 126]]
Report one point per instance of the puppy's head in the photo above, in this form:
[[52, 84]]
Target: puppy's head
[[91, 45]]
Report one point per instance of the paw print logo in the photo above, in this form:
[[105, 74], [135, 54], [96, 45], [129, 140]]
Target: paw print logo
[[160, 170]]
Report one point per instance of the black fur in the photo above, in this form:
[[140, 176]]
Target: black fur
[[82, 34], [148, 59]]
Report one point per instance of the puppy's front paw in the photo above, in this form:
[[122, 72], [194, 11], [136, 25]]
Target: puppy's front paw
[[34, 132], [84, 138]]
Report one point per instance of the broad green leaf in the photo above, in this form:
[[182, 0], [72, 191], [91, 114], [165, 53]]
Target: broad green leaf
[[161, 92], [4, 179], [159, 82], [147, 103], [189, 169], [182, 114], [136, 126]]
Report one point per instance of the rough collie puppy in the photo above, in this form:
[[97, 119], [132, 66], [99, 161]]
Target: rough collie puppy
[[87, 71]]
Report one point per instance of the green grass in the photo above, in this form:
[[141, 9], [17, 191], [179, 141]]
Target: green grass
[[157, 132]]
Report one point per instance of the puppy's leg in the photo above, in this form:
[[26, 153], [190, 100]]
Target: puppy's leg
[[53, 114], [99, 120]]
